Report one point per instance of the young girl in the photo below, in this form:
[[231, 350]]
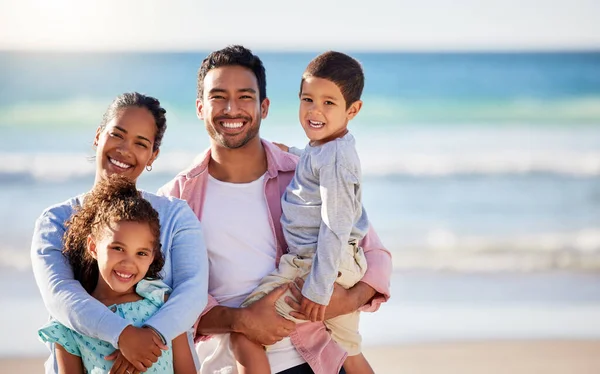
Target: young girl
[[113, 246]]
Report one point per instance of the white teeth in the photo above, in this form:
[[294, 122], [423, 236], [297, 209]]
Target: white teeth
[[122, 275], [232, 125], [119, 164], [316, 124]]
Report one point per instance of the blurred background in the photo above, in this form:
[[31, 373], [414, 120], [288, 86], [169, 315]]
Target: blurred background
[[479, 139]]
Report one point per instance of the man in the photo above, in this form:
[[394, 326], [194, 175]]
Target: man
[[235, 190]]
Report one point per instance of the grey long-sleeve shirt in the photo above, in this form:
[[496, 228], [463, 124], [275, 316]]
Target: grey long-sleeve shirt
[[322, 211]]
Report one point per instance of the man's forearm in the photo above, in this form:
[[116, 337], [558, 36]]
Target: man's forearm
[[220, 320], [361, 293]]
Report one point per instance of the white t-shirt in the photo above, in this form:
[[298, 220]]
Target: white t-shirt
[[241, 251]]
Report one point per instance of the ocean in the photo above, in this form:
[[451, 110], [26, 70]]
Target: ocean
[[473, 163]]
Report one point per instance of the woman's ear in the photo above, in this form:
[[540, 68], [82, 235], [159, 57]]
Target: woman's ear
[[91, 247]]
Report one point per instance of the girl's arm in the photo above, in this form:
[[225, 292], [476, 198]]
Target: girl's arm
[[67, 363], [183, 361]]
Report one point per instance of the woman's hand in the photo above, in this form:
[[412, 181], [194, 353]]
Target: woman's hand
[[140, 346]]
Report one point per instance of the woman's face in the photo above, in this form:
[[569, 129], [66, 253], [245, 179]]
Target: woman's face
[[125, 145]]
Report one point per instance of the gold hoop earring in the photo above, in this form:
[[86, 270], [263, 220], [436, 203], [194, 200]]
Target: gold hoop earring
[[149, 167]]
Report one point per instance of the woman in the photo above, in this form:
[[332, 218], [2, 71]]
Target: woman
[[127, 142]]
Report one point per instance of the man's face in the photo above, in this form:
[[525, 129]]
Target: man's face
[[230, 106]]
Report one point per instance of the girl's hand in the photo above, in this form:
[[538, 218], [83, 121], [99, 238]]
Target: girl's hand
[[121, 365], [313, 311]]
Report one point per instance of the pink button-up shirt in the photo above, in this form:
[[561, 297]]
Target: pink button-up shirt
[[312, 340]]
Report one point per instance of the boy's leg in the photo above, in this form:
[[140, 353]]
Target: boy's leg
[[251, 357], [357, 364]]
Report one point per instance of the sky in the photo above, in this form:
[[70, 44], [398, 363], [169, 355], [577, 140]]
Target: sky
[[300, 25]]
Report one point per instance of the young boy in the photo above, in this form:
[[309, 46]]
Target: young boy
[[323, 219]]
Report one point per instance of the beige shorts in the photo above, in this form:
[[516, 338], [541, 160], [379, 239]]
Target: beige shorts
[[344, 329]]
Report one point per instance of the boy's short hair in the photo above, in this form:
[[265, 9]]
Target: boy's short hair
[[341, 69], [233, 55]]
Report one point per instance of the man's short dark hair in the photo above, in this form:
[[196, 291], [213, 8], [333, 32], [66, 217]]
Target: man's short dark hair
[[341, 69], [229, 56]]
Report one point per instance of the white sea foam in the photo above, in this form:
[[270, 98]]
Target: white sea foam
[[59, 167]]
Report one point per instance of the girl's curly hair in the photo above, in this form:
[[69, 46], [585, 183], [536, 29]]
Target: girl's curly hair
[[114, 199]]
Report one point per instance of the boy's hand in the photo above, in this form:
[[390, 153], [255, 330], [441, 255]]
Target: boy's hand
[[283, 147], [313, 311]]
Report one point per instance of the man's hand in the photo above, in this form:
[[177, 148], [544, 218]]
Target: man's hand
[[342, 301], [121, 365], [260, 321], [313, 311], [140, 346], [283, 147]]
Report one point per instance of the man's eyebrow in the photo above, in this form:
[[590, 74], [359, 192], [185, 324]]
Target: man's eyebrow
[[251, 90], [139, 136]]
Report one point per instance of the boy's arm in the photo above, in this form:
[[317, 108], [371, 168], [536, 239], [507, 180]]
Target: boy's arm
[[338, 202], [63, 296], [189, 264]]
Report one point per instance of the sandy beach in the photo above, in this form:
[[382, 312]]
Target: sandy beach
[[490, 357]]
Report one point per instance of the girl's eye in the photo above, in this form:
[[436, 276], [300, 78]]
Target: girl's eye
[[142, 145], [142, 254], [118, 249]]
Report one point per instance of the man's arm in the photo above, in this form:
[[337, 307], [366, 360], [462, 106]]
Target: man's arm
[[259, 321], [189, 267], [64, 297]]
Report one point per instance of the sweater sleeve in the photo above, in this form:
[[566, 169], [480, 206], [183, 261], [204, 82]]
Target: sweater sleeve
[[189, 264], [337, 188], [64, 297]]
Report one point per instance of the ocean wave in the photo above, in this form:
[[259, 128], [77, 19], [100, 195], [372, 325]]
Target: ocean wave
[[61, 167], [75, 111], [445, 250]]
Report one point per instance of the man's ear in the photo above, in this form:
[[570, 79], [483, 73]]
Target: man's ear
[[199, 107], [91, 247], [354, 109], [264, 108]]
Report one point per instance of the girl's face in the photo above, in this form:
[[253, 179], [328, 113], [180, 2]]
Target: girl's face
[[125, 145], [124, 253]]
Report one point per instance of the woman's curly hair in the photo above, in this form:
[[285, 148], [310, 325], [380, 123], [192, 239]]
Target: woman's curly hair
[[114, 199]]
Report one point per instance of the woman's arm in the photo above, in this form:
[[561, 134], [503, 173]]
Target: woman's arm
[[67, 363], [189, 268], [63, 296], [183, 360]]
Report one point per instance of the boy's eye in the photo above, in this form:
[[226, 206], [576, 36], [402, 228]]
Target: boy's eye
[[118, 249], [307, 99], [142, 145], [329, 103]]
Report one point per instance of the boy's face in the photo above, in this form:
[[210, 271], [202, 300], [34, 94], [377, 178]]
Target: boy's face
[[323, 112]]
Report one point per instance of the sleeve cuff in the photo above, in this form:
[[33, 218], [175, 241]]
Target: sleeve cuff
[[161, 336]]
